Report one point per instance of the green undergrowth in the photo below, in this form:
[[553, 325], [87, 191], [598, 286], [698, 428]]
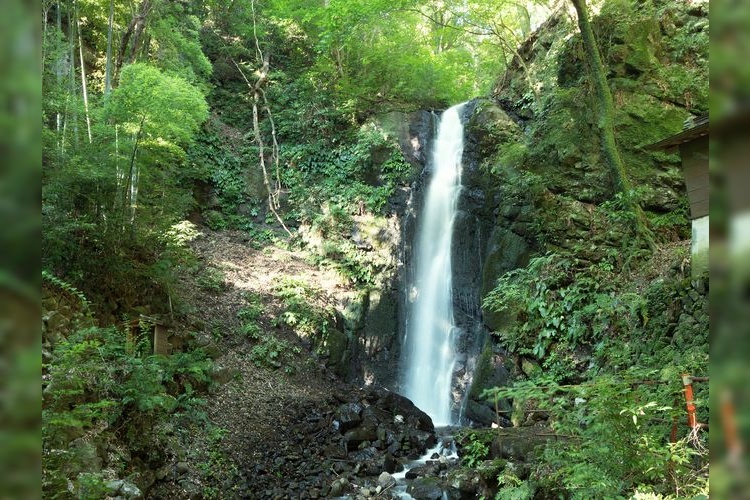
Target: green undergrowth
[[612, 346], [360, 174], [305, 309], [105, 393], [268, 349]]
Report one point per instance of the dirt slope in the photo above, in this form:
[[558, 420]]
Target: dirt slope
[[252, 409]]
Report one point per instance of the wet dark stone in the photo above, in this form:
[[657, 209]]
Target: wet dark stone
[[426, 488], [422, 471], [349, 416]]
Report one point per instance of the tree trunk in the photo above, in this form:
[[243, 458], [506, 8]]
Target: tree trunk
[[108, 63], [72, 57], [259, 99], [131, 182], [134, 30], [606, 109], [84, 89], [606, 120], [59, 78]]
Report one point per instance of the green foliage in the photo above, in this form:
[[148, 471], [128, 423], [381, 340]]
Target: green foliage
[[211, 279], [120, 196], [475, 448], [350, 177], [249, 317], [562, 301], [166, 107], [511, 487], [97, 382], [620, 428], [305, 310], [215, 220], [513, 155], [64, 285], [270, 352], [613, 348], [386, 54], [180, 52]]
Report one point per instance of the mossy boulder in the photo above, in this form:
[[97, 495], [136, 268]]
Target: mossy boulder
[[336, 345], [507, 250], [489, 127], [493, 369], [426, 488]]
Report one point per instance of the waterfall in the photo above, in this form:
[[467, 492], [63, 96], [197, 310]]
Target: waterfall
[[430, 328]]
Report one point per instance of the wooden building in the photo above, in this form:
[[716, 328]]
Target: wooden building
[[692, 144]]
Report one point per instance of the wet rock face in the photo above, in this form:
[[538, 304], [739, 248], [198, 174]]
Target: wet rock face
[[382, 314]]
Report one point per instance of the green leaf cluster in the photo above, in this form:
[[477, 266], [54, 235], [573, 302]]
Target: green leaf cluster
[[305, 309], [615, 437], [103, 388], [612, 347], [562, 301], [475, 449]]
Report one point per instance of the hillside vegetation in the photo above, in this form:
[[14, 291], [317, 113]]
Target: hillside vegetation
[[241, 174]]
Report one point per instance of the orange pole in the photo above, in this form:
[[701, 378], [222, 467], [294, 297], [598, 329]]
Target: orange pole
[[734, 447], [687, 381]]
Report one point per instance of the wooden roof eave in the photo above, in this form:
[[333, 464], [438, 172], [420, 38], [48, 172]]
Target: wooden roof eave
[[670, 144]]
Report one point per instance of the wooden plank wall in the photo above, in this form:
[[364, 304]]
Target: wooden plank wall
[[161, 342], [695, 168]]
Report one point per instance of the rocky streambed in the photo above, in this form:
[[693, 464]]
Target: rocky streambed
[[352, 445]]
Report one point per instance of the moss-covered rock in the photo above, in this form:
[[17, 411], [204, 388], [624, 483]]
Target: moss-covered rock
[[490, 127], [492, 370], [336, 344]]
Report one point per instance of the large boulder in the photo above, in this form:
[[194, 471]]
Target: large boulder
[[426, 488], [463, 482]]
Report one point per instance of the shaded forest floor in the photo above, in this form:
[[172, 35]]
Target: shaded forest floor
[[253, 406]]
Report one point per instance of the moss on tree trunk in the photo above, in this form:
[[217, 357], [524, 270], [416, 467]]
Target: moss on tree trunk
[[606, 120]]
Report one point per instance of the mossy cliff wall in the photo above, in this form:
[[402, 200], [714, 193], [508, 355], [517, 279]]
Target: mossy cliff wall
[[535, 154]]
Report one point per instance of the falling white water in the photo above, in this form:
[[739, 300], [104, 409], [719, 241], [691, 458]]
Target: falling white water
[[430, 327]]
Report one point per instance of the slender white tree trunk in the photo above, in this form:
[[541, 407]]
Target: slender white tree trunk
[[84, 90], [108, 64], [134, 193], [58, 79], [72, 58], [119, 174]]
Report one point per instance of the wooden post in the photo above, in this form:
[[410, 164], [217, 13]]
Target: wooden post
[[161, 344], [729, 422], [687, 382]]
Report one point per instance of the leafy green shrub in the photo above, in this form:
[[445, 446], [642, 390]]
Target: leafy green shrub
[[559, 301], [251, 312], [301, 310], [475, 448], [215, 220], [103, 387], [628, 329], [616, 432], [511, 486], [346, 176], [249, 316], [270, 352]]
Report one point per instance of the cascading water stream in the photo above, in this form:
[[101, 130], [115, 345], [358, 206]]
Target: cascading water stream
[[430, 325]]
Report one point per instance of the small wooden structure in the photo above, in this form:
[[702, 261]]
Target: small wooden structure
[[161, 340], [692, 144], [144, 325]]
